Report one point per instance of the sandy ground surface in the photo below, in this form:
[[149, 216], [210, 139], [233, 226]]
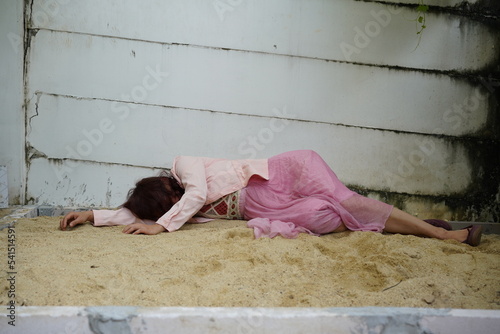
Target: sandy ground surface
[[221, 264], [5, 212]]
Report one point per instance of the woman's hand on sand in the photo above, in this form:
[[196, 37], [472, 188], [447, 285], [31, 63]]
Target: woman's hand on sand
[[75, 218], [140, 228]]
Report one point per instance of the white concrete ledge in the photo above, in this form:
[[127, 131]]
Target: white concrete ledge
[[17, 213], [373, 320]]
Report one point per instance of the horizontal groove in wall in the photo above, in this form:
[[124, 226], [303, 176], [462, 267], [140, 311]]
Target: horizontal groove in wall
[[102, 163], [40, 93], [154, 169], [450, 73]]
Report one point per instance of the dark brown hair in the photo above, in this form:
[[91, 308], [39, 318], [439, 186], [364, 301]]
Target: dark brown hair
[[153, 196]]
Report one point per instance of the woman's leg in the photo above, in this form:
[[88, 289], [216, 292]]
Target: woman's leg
[[404, 223]]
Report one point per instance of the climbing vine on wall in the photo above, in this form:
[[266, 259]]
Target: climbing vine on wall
[[422, 10]]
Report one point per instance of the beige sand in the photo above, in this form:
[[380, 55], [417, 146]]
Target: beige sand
[[5, 212], [221, 264]]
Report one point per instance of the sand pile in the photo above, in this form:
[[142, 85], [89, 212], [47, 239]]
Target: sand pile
[[221, 264]]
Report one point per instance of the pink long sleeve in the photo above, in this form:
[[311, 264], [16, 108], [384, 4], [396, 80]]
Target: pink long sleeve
[[190, 171], [122, 216]]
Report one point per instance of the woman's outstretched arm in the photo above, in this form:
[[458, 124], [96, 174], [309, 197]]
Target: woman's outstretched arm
[[122, 216], [75, 218]]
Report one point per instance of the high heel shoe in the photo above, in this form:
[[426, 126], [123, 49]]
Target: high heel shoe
[[474, 235]]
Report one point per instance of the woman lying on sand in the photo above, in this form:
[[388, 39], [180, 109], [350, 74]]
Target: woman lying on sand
[[289, 193]]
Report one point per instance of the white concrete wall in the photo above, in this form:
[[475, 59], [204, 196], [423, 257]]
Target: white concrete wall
[[116, 89], [11, 96]]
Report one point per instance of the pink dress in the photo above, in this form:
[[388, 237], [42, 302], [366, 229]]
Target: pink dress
[[303, 190], [287, 194]]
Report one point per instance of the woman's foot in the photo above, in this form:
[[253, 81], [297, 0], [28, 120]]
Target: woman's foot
[[470, 235], [474, 234]]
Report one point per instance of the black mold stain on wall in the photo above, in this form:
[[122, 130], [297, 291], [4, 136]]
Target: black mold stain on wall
[[481, 201], [485, 151]]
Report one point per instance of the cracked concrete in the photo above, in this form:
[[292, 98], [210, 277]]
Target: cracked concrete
[[115, 319]]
